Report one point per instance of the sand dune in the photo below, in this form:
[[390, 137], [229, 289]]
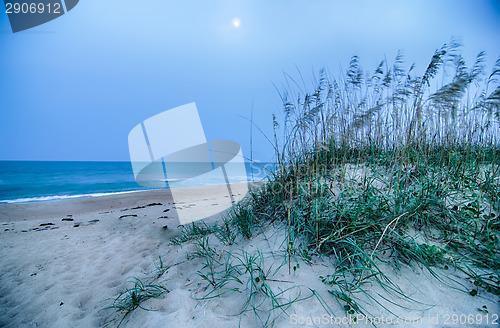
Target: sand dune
[[63, 263]]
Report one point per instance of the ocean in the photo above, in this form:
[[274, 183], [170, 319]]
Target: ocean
[[39, 181]]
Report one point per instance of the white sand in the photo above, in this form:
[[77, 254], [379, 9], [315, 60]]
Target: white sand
[[66, 276]]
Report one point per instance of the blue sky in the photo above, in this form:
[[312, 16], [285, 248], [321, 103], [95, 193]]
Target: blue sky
[[73, 88]]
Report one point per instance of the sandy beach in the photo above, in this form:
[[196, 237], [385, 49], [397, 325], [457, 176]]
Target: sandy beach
[[63, 263], [253, 164]]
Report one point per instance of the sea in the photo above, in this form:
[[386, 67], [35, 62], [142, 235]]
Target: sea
[[42, 181]]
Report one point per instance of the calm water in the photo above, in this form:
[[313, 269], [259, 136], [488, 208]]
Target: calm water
[[32, 181]]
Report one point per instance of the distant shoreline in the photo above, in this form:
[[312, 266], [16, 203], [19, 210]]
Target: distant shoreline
[[53, 198], [37, 181], [105, 202]]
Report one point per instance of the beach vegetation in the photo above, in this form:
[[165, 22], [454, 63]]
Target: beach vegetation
[[193, 231], [253, 275], [379, 172], [137, 293], [389, 167]]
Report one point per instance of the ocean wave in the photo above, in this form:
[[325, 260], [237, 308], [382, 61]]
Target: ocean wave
[[60, 197], [173, 183]]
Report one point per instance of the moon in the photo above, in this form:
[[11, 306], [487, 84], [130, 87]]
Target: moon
[[236, 22]]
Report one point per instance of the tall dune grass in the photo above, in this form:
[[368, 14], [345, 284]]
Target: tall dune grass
[[379, 171], [390, 167]]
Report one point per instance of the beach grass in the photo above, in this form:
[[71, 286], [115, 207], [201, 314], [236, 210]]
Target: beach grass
[[392, 168], [377, 172], [137, 293]]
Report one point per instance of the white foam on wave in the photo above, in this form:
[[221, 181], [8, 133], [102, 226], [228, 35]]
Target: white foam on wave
[[173, 183], [60, 197]]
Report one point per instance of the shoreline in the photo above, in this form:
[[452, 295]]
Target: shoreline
[[107, 202], [64, 262], [54, 198], [46, 209]]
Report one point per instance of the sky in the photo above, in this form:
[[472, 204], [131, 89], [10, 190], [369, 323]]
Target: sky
[[73, 88]]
